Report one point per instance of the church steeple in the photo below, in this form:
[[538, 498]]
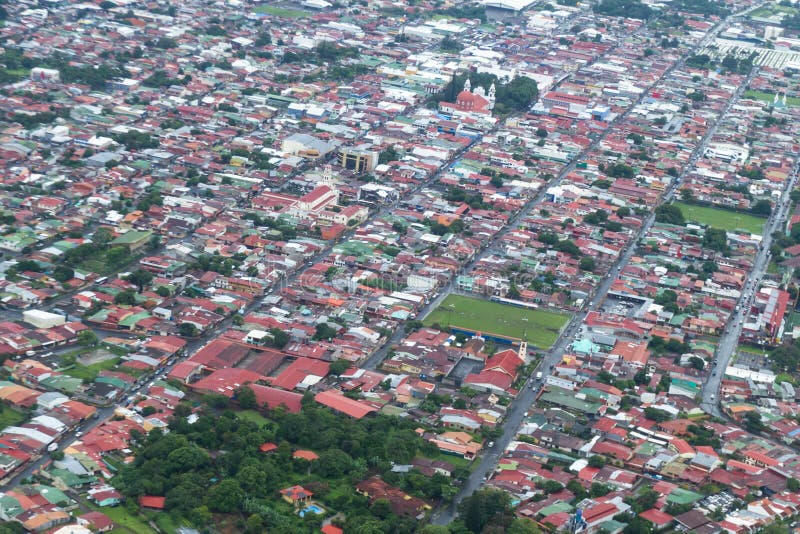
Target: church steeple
[[468, 85], [491, 96]]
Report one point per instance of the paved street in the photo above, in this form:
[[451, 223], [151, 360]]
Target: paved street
[[730, 339], [527, 396]]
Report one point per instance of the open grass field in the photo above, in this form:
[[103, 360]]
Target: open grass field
[[90, 372], [722, 219], [125, 521], [770, 10], [282, 12], [538, 327], [253, 416], [770, 97]]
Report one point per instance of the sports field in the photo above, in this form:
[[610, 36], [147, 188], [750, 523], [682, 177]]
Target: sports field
[[282, 12], [722, 219], [770, 97], [538, 327]]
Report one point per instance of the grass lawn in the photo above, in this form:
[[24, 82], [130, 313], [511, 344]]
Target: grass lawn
[[124, 520], [769, 98], [165, 521], [253, 416], [10, 417], [721, 218], [97, 266], [538, 327], [282, 12], [456, 461], [89, 372]]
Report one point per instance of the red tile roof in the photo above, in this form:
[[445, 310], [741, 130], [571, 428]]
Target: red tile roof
[[150, 501], [338, 402]]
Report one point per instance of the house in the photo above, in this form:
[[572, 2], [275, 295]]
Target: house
[[96, 521], [296, 495], [106, 497], [498, 374], [308, 456], [339, 403], [400, 502], [152, 502], [268, 447], [457, 444]]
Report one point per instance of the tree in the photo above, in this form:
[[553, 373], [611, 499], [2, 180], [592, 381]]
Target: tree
[[162, 291], [102, 236], [637, 525], [246, 398], [187, 329], [448, 44], [126, 297], [87, 338], [697, 363], [670, 214], [715, 239], [496, 181], [279, 338], [522, 525], [513, 292], [324, 331], [752, 422], [63, 273], [597, 461], [792, 484], [106, 5], [141, 278], [390, 154], [226, 497], [587, 263], [654, 414], [117, 255], [333, 463], [339, 366], [762, 207], [623, 211], [484, 507]]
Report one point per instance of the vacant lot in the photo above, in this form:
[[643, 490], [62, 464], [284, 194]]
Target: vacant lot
[[722, 219], [538, 327]]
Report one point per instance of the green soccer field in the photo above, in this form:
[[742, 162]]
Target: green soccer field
[[538, 327], [282, 12], [721, 218]]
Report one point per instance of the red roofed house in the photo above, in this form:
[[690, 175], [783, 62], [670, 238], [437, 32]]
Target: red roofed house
[[339, 403], [268, 447], [150, 501], [498, 374], [96, 521], [296, 495], [303, 454], [657, 517], [274, 397]]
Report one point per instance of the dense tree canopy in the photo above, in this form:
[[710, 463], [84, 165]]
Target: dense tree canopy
[[214, 465], [670, 214], [633, 9]]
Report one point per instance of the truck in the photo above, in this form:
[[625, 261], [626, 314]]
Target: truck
[[538, 375]]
